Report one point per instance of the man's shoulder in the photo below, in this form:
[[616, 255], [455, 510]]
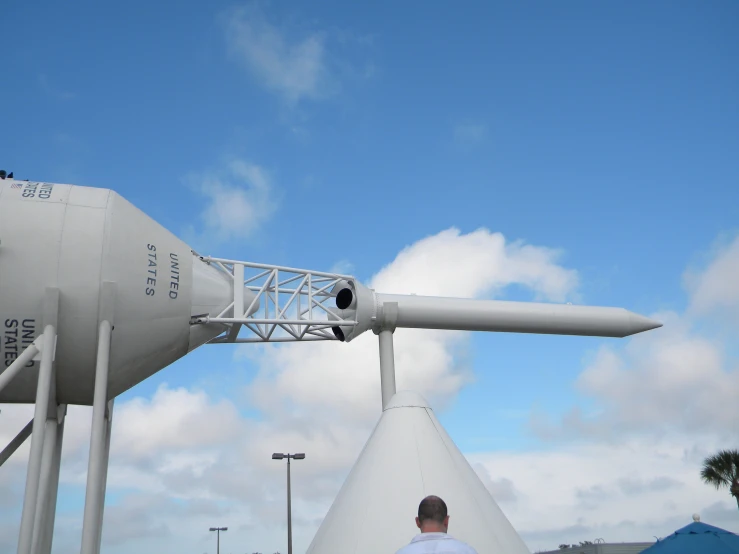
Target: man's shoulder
[[451, 545], [462, 547]]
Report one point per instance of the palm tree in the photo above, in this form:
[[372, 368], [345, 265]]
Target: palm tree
[[722, 470]]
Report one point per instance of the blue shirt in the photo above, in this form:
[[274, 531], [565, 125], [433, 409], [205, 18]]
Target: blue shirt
[[436, 543]]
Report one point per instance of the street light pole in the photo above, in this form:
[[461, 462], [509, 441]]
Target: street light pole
[[289, 512], [218, 534], [278, 456]]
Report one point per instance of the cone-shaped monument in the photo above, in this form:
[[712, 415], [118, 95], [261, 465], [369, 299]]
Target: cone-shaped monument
[[408, 457]]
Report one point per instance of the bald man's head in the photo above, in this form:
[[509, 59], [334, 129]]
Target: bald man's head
[[432, 515]]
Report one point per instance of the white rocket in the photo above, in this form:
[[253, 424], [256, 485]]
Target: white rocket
[[95, 297], [75, 239]]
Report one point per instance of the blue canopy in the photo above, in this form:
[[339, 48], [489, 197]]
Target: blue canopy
[[697, 538]]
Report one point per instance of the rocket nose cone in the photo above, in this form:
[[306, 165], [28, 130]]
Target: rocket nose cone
[[639, 324]]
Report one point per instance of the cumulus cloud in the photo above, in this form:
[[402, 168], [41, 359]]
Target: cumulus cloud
[[628, 467], [502, 489], [630, 485], [239, 199], [628, 491], [476, 264], [293, 67], [670, 381], [133, 522], [716, 288]]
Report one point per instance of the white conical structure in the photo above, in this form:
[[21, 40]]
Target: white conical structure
[[410, 456]]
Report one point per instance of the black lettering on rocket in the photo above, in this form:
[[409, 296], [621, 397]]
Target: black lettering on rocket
[[174, 276], [37, 190], [18, 336], [151, 278]]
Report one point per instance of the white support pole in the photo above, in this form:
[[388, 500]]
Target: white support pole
[[238, 291], [385, 330], [16, 443], [20, 362], [387, 367], [47, 529], [37, 441], [108, 431], [96, 463], [46, 481], [238, 310]]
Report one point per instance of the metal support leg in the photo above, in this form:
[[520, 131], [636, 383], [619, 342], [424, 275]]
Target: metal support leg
[[20, 362], [37, 441], [44, 488], [108, 430], [387, 367], [96, 472], [385, 330], [16, 443], [47, 525], [49, 482]]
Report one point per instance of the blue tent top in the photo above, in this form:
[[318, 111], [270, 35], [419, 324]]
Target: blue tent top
[[697, 538]]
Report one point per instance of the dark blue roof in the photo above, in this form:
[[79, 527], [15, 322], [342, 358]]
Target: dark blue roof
[[697, 538]]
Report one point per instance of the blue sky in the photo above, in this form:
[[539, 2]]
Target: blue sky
[[607, 132]]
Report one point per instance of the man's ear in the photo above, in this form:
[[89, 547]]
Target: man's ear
[[446, 521], [418, 523]]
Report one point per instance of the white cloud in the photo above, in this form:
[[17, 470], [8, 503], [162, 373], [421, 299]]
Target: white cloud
[[239, 200], [670, 380], [173, 420], [621, 492], [666, 381], [716, 288], [480, 263], [294, 68], [658, 406]]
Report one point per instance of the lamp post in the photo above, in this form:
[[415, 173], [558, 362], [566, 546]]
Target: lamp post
[[218, 533], [277, 456]]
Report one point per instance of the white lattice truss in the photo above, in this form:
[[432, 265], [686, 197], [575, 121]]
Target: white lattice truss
[[293, 304]]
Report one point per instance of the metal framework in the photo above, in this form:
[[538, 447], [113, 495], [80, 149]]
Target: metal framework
[[288, 304]]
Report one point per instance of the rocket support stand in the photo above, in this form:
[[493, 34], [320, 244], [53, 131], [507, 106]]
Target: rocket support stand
[[43, 528], [42, 474], [102, 418], [387, 354]]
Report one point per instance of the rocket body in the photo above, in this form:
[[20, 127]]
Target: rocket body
[[74, 239], [98, 251]]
